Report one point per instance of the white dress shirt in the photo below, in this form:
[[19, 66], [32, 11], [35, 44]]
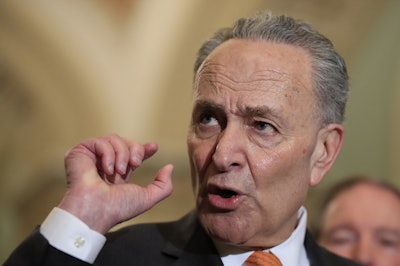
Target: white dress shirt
[[67, 233], [291, 252]]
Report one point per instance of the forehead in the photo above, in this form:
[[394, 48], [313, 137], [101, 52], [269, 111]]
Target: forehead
[[260, 56], [253, 62], [369, 192], [267, 70], [372, 201]]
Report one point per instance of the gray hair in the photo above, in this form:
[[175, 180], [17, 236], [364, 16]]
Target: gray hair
[[329, 70]]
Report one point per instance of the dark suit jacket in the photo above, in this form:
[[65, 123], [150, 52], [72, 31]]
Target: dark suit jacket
[[179, 243]]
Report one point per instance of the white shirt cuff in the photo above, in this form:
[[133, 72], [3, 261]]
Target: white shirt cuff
[[70, 235]]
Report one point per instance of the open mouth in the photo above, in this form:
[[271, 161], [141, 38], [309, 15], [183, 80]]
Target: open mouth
[[226, 193], [222, 192], [223, 198]]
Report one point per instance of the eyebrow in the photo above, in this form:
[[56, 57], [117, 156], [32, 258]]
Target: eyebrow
[[260, 111], [385, 230], [246, 111], [202, 104]]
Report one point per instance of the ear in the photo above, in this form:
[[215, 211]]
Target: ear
[[329, 142]]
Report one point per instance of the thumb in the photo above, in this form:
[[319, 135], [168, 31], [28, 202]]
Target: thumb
[[142, 199], [161, 187]]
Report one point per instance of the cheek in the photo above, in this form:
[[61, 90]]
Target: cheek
[[198, 157], [288, 175], [285, 162], [200, 153]]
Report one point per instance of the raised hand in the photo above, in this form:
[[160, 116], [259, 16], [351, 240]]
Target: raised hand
[[98, 171]]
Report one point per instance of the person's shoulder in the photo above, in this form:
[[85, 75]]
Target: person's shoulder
[[322, 257]]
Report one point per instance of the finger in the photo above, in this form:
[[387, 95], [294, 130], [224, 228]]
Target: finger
[[122, 153], [150, 149], [106, 154], [103, 152], [139, 152]]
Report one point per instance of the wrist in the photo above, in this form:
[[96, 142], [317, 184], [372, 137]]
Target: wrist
[[88, 214]]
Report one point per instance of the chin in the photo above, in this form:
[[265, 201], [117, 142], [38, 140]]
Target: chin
[[225, 227]]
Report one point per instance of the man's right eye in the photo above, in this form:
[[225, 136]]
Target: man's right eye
[[208, 119]]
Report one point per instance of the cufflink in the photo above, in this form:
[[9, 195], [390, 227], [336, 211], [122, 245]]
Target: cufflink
[[79, 242]]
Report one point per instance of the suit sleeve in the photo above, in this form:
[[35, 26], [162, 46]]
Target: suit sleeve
[[36, 250]]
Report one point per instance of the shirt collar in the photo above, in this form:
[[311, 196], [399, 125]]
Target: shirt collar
[[291, 252]]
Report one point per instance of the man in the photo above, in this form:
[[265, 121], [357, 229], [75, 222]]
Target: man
[[269, 100], [360, 220]]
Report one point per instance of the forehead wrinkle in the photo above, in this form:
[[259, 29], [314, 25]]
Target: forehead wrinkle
[[271, 74], [216, 72], [220, 77]]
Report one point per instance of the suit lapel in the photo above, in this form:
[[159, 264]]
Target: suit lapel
[[313, 251], [190, 245]]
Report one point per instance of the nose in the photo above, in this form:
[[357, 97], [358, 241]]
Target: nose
[[364, 253], [230, 149]]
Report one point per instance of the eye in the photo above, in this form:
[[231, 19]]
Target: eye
[[342, 237], [264, 126], [389, 240], [341, 240], [206, 124], [208, 119], [389, 243]]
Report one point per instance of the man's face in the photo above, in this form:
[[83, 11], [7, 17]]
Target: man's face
[[363, 224], [252, 141]]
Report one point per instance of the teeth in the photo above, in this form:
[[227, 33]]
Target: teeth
[[226, 193]]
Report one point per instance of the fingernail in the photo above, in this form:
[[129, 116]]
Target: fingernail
[[110, 168], [122, 167]]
